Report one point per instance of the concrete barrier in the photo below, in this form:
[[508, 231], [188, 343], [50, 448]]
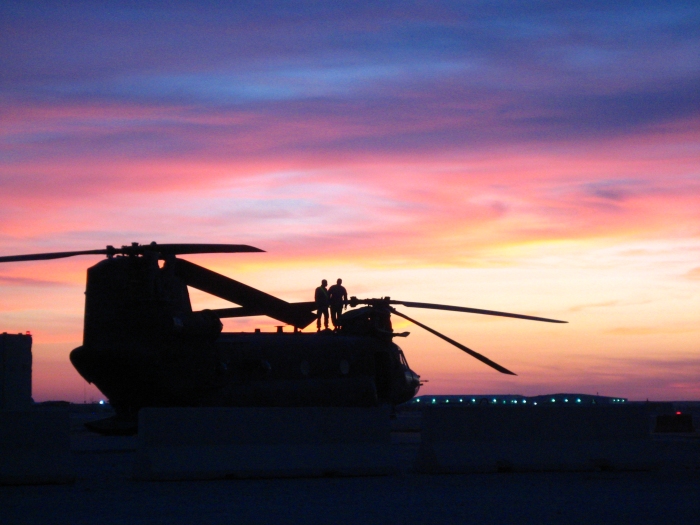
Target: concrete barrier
[[35, 447], [207, 443], [536, 438]]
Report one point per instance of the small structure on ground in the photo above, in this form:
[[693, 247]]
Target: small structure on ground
[[15, 371]]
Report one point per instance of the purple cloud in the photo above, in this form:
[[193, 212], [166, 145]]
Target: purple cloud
[[403, 77]]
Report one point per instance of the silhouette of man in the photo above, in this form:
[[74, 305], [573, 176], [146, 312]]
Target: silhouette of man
[[321, 298], [337, 297]]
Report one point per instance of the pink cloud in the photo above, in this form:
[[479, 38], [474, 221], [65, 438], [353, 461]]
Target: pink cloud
[[413, 205]]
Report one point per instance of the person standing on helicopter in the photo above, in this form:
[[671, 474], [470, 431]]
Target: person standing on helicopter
[[321, 298], [338, 297]]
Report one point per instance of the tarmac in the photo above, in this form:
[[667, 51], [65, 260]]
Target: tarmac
[[104, 492]]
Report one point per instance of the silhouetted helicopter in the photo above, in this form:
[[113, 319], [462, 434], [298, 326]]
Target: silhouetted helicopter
[[143, 345]]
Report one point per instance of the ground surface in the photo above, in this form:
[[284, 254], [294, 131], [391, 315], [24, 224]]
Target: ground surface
[[104, 493]]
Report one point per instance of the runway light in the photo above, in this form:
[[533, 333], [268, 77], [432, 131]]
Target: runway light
[[524, 400], [433, 400], [678, 413], [447, 400], [417, 400], [102, 402], [566, 400], [473, 400], [494, 400], [460, 400], [553, 400], [578, 400], [535, 402]]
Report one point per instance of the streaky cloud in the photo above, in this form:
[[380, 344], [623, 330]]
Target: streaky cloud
[[29, 281]]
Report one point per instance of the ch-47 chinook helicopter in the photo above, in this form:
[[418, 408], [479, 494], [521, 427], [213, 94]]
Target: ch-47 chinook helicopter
[[144, 346]]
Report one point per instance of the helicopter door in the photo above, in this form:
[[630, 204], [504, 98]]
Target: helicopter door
[[382, 375]]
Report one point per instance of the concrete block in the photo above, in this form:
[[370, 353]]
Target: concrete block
[[536, 438], [15, 371], [678, 452], [674, 423], [35, 447], [207, 443]]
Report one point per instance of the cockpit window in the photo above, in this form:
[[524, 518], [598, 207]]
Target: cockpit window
[[403, 359]]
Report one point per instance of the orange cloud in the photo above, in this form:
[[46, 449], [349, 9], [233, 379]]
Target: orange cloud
[[694, 274]]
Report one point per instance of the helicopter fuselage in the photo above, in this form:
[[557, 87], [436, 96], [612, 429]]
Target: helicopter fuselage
[[255, 369]]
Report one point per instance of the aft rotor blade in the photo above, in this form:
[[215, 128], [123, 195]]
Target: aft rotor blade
[[189, 249], [139, 249], [248, 297], [471, 352], [47, 256], [474, 311], [247, 311]]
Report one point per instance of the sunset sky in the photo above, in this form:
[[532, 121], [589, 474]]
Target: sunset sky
[[533, 157]]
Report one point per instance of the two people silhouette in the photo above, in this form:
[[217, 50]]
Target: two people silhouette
[[335, 298]]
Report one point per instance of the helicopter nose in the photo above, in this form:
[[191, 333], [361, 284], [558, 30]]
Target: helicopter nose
[[412, 381], [416, 383]]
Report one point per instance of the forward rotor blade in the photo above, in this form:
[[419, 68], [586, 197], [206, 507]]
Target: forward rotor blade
[[471, 352], [473, 311], [46, 256], [239, 293]]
